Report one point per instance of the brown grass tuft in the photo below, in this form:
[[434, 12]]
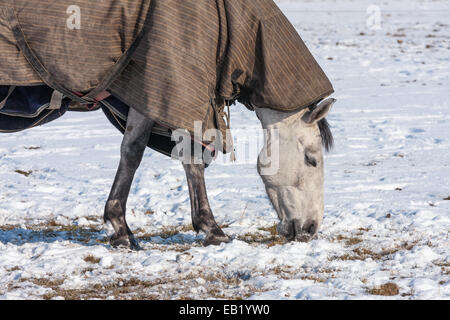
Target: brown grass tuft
[[361, 253], [24, 173], [388, 289], [272, 229], [91, 259], [349, 241], [166, 232], [8, 227], [255, 238]]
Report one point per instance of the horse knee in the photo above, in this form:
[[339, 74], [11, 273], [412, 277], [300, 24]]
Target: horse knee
[[131, 154]]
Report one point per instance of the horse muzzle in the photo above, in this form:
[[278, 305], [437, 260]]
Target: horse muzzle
[[295, 230]]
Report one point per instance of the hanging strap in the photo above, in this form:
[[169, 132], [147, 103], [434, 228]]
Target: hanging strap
[[56, 100], [10, 91]]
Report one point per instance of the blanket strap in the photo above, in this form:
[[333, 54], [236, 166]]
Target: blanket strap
[[220, 113], [10, 91], [95, 95]]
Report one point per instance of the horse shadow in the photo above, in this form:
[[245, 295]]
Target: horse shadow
[[88, 237], [83, 236]]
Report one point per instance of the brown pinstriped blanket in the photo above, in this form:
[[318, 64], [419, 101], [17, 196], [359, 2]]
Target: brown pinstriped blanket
[[174, 61]]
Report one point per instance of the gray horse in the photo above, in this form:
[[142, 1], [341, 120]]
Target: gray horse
[[296, 189]]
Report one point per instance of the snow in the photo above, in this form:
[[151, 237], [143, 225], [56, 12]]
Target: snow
[[386, 220]]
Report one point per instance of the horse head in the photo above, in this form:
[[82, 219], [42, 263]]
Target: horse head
[[294, 178]]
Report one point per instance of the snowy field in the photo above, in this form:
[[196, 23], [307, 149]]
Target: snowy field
[[387, 185]]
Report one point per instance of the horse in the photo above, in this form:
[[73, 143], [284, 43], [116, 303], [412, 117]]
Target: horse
[[168, 64], [296, 189]]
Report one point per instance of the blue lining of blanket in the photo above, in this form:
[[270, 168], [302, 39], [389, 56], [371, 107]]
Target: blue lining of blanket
[[27, 106]]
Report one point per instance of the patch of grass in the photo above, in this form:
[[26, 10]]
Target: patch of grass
[[349, 241], [388, 289], [131, 289], [165, 233], [313, 278], [215, 284], [398, 35], [186, 228], [169, 232], [353, 241], [86, 270], [290, 273], [272, 230], [44, 282], [16, 268], [363, 253], [52, 225], [8, 227], [445, 267], [91, 259], [24, 173], [255, 238], [93, 218]]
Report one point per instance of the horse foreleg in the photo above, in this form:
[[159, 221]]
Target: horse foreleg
[[134, 142], [202, 216]]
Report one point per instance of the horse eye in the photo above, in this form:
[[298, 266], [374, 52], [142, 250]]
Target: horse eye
[[310, 161]]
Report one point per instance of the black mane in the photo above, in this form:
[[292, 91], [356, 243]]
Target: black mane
[[325, 131], [326, 134]]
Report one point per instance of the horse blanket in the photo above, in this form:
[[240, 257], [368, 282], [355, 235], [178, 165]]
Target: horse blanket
[[174, 61]]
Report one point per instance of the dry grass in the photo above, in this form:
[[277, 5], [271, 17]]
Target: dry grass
[[44, 282], [165, 232], [445, 267], [215, 285], [270, 240], [362, 253], [8, 227], [272, 229], [388, 289], [259, 239], [52, 225], [320, 275], [349, 241], [91, 259], [24, 173], [16, 268]]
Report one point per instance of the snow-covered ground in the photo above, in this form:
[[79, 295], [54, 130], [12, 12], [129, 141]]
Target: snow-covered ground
[[386, 217]]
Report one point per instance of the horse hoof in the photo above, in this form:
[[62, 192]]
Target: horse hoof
[[215, 240], [125, 242]]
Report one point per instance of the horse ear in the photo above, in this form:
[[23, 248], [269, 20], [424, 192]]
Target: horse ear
[[319, 112]]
